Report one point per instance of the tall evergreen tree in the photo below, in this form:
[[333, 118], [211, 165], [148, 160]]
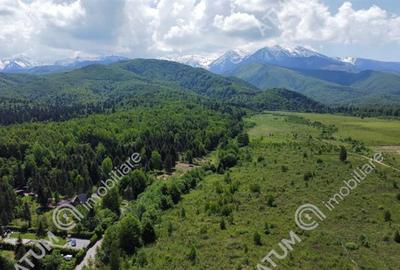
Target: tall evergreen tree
[[343, 154]]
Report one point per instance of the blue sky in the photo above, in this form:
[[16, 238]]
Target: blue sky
[[388, 52], [47, 30], [390, 5]]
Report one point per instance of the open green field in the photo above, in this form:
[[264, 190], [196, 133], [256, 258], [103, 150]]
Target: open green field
[[7, 254], [31, 236], [372, 131], [215, 226]]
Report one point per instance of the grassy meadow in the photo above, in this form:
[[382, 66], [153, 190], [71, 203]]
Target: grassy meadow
[[233, 219], [372, 131]]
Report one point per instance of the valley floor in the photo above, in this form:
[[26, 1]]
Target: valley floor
[[233, 220]]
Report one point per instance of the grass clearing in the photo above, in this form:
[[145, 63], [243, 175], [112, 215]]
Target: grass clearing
[[267, 186], [372, 131]]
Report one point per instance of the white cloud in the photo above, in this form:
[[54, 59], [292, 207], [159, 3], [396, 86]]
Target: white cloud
[[311, 21], [50, 29], [236, 22]]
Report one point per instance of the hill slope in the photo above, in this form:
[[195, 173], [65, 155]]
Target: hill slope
[[269, 76], [128, 82], [232, 221], [328, 87]]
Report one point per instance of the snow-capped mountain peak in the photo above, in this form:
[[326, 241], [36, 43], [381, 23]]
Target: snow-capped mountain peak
[[233, 56], [228, 61], [302, 51], [349, 60], [15, 64], [296, 51], [191, 60]]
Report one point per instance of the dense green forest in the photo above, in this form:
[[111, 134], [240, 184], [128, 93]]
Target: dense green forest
[[333, 88], [66, 157], [99, 88], [102, 115], [62, 134], [147, 106]]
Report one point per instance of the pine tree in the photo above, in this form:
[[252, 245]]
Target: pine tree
[[222, 224], [149, 234], [388, 216], [115, 256], [343, 154], [41, 229], [192, 256], [397, 237], [257, 239], [27, 214], [112, 201], [19, 250]]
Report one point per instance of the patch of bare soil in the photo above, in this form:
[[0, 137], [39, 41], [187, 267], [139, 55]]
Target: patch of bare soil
[[180, 169], [388, 149]]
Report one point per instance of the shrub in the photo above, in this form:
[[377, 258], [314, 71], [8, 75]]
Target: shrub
[[395, 185], [343, 154], [271, 201], [218, 188], [192, 256], [351, 246], [226, 210], [148, 234], [364, 241], [257, 239], [397, 237], [234, 187], [267, 229], [243, 139], [307, 176], [170, 228], [182, 213], [130, 234], [230, 219], [222, 224], [284, 168], [255, 188], [141, 258], [388, 216], [260, 158], [227, 160], [227, 178]]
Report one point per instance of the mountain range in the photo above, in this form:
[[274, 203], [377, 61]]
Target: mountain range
[[328, 80], [130, 81], [298, 57], [332, 81], [26, 65]]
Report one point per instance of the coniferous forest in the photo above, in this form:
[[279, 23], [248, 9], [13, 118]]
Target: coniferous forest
[[112, 163]]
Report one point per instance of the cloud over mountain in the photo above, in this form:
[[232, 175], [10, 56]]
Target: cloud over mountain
[[51, 29]]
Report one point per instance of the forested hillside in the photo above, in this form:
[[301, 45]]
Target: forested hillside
[[66, 158], [100, 88], [337, 88]]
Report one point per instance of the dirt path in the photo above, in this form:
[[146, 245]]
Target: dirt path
[[90, 255], [388, 149], [180, 169], [381, 163]]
